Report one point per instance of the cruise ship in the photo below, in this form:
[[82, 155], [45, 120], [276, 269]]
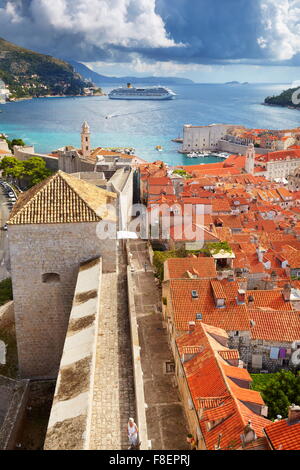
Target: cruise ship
[[149, 93]]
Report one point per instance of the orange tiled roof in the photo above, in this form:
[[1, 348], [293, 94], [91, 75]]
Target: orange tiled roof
[[268, 300], [215, 396], [278, 326], [201, 267], [283, 436], [245, 394], [236, 372], [231, 318], [229, 355]]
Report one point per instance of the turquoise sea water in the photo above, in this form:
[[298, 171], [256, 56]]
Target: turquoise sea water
[[50, 123]]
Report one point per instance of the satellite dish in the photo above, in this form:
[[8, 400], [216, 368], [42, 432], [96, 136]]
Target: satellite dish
[[295, 359]]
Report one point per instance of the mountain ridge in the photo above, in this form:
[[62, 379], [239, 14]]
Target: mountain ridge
[[32, 74], [99, 79]]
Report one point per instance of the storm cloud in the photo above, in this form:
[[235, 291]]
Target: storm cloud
[[182, 31]]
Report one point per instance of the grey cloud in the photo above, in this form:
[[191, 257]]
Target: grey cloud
[[185, 31]]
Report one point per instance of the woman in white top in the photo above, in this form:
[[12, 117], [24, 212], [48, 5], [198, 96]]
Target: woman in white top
[[132, 430]]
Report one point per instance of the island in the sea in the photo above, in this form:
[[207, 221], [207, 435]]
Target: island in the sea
[[284, 99], [28, 74], [236, 83]]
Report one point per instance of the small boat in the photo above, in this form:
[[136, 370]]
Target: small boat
[[192, 155], [159, 148]]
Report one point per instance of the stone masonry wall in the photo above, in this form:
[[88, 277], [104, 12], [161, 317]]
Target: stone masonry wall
[[51, 162], [225, 146], [42, 309]]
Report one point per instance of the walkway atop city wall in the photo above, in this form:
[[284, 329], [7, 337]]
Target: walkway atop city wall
[[165, 419], [113, 364]]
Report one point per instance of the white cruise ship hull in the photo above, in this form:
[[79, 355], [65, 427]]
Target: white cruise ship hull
[[136, 97]]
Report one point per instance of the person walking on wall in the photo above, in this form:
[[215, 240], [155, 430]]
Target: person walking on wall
[[133, 434]]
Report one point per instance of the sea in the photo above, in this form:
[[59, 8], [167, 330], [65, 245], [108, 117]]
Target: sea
[[51, 123]]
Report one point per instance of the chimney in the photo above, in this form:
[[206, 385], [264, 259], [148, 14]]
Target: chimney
[[260, 253], [248, 435], [241, 297], [287, 292], [192, 326], [294, 414], [218, 445]]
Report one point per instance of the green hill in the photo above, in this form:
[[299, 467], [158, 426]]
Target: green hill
[[284, 99], [29, 73]]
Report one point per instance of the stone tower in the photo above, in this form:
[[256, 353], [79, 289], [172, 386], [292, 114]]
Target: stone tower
[[250, 159], [52, 230], [85, 140]]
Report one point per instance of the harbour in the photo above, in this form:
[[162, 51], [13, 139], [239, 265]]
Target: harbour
[[51, 123]]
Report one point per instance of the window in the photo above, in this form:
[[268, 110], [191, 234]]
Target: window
[[50, 278], [236, 333], [170, 367], [194, 294], [198, 316]]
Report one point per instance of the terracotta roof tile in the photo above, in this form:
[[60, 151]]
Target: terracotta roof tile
[[201, 267], [215, 396], [236, 372], [284, 436], [268, 300], [278, 326], [231, 318], [62, 198]]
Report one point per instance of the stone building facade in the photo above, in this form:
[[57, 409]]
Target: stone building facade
[[52, 230], [294, 180], [199, 138]]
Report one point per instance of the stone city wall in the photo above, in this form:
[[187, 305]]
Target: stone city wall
[[230, 147], [28, 152], [69, 426]]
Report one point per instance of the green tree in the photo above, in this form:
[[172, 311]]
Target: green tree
[[35, 168], [31, 171], [6, 293], [161, 256], [12, 168], [280, 392], [13, 142]]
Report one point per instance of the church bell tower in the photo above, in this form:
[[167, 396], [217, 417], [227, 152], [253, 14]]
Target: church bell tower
[[85, 140], [250, 159]]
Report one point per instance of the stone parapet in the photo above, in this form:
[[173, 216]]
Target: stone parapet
[[137, 368], [69, 426]]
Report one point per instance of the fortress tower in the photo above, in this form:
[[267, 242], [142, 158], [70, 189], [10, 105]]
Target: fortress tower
[[85, 140], [52, 230], [250, 159]]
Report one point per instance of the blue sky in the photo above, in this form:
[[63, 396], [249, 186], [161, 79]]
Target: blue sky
[[206, 40]]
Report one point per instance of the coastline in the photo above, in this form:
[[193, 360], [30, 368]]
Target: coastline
[[54, 96], [297, 108]]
